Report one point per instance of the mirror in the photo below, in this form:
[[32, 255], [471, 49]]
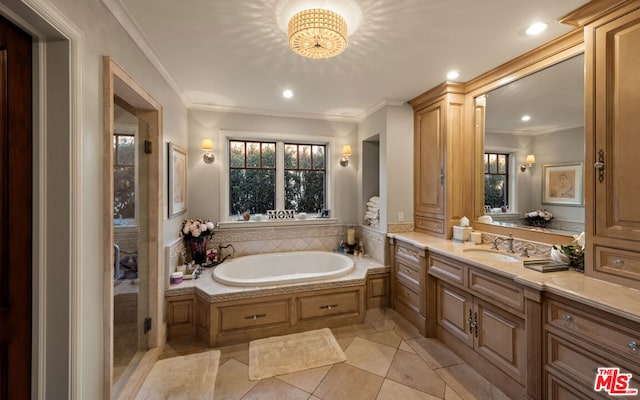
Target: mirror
[[515, 183]]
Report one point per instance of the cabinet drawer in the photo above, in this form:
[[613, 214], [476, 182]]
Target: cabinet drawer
[[254, 315], [409, 254], [581, 363], [448, 271], [409, 271], [606, 335], [557, 389], [332, 304], [617, 262], [429, 224], [408, 296], [496, 287]]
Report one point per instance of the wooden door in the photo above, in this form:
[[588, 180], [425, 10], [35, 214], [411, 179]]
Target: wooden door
[[500, 338], [428, 160], [455, 312], [617, 120], [15, 212]]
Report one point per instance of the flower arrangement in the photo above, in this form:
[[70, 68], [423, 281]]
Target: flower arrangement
[[573, 252], [198, 232], [539, 217], [196, 228]]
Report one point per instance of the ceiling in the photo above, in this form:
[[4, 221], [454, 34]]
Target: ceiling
[[233, 55]]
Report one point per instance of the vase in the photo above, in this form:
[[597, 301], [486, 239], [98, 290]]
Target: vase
[[199, 249], [541, 223]]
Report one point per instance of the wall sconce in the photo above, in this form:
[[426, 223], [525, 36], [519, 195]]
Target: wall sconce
[[346, 153], [207, 146], [528, 162]]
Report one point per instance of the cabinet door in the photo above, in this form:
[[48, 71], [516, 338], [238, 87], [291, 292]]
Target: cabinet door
[[428, 160], [455, 312], [617, 124], [500, 338]]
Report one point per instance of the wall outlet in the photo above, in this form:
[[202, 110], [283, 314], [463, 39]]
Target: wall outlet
[[400, 216]]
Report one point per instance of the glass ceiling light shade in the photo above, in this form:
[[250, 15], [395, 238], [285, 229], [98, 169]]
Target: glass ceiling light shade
[[317, 33]]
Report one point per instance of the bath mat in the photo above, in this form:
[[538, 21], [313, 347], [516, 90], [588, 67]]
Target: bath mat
[[184, 377], [281, 355]]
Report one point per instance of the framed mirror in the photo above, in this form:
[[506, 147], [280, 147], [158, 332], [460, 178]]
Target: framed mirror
[[529, 130]]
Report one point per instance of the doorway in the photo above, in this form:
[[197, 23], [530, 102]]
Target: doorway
[[132, 198]]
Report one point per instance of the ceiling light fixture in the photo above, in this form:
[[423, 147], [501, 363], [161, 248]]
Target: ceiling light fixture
[[536, 29], [287, 94], [525, 118], [453, 75], [317, 33]]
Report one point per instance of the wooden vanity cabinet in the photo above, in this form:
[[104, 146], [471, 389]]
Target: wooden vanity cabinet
[[481, 316], [612, 187], [442, 160], [181, 316], [580, 339], [408, 283]]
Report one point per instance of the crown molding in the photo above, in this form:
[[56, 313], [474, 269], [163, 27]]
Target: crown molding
[[271, 113]]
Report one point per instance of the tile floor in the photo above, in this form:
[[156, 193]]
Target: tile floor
[[387, 359]]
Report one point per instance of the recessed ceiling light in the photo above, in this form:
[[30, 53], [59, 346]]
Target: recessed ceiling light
[[287, 94], [536, 28], [525, 118], [453, 75]]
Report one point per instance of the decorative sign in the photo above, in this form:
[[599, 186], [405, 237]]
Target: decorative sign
[[281, 214]]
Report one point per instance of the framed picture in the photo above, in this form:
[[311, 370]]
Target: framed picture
[[177, 180], [562, 184]]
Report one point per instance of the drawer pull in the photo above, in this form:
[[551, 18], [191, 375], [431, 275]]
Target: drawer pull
[[618, 262], [255, 316], [328, 306], [567, 318], [633, 346], [470, 321]]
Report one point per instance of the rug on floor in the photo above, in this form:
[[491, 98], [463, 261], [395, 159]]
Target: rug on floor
[[183, 377], [281, 355]]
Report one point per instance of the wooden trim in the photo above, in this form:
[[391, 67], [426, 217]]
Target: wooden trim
[[433, 94], [592, 11]]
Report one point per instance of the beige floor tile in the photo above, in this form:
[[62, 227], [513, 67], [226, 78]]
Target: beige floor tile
[[468, 383], [238, 352], [406, 330], [370, 356], [274, 389], [353, 331], [233, 381], [345, 342], [450, 394], [410, 370], [183, 347], [384, 325], [344, 382], [307, 380], [389, 338], [393, 391], [378, 314], [434, 352], [405, 347]]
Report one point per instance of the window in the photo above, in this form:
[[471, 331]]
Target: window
[[276, 175], [496, 179], [124, 175]]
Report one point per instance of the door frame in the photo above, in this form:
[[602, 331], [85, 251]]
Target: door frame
[[117, 82]]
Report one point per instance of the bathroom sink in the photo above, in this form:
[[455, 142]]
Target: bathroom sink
[[490, 255]]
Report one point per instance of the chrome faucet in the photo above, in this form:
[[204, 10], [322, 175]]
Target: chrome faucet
[[220, 247], [498, 240], [525, 250]]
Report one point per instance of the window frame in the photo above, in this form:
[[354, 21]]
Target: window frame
[[226, 136], [507, 175], [128, 222]]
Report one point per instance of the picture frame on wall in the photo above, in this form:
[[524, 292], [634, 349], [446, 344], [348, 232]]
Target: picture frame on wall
[[562, 184], [177, 184]]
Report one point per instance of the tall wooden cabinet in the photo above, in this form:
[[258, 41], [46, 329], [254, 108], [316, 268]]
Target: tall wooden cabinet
[[443, 160], [612, 50]]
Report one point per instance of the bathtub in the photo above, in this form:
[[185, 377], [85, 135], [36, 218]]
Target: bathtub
[[281, 268]]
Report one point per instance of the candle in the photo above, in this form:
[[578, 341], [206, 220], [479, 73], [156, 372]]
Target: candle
[[351, 236]]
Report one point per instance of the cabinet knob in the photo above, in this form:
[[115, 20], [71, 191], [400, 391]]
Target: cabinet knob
[[633, 346], [567, 318], [618, 262]]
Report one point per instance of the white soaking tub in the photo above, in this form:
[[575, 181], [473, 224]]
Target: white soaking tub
[[281, 268]]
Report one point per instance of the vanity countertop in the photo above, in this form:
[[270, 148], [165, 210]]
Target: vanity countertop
[[211, 290], [610, 297]]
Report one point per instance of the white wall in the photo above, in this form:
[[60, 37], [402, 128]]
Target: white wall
[[205, 179], [101, 35], [374, 125]]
